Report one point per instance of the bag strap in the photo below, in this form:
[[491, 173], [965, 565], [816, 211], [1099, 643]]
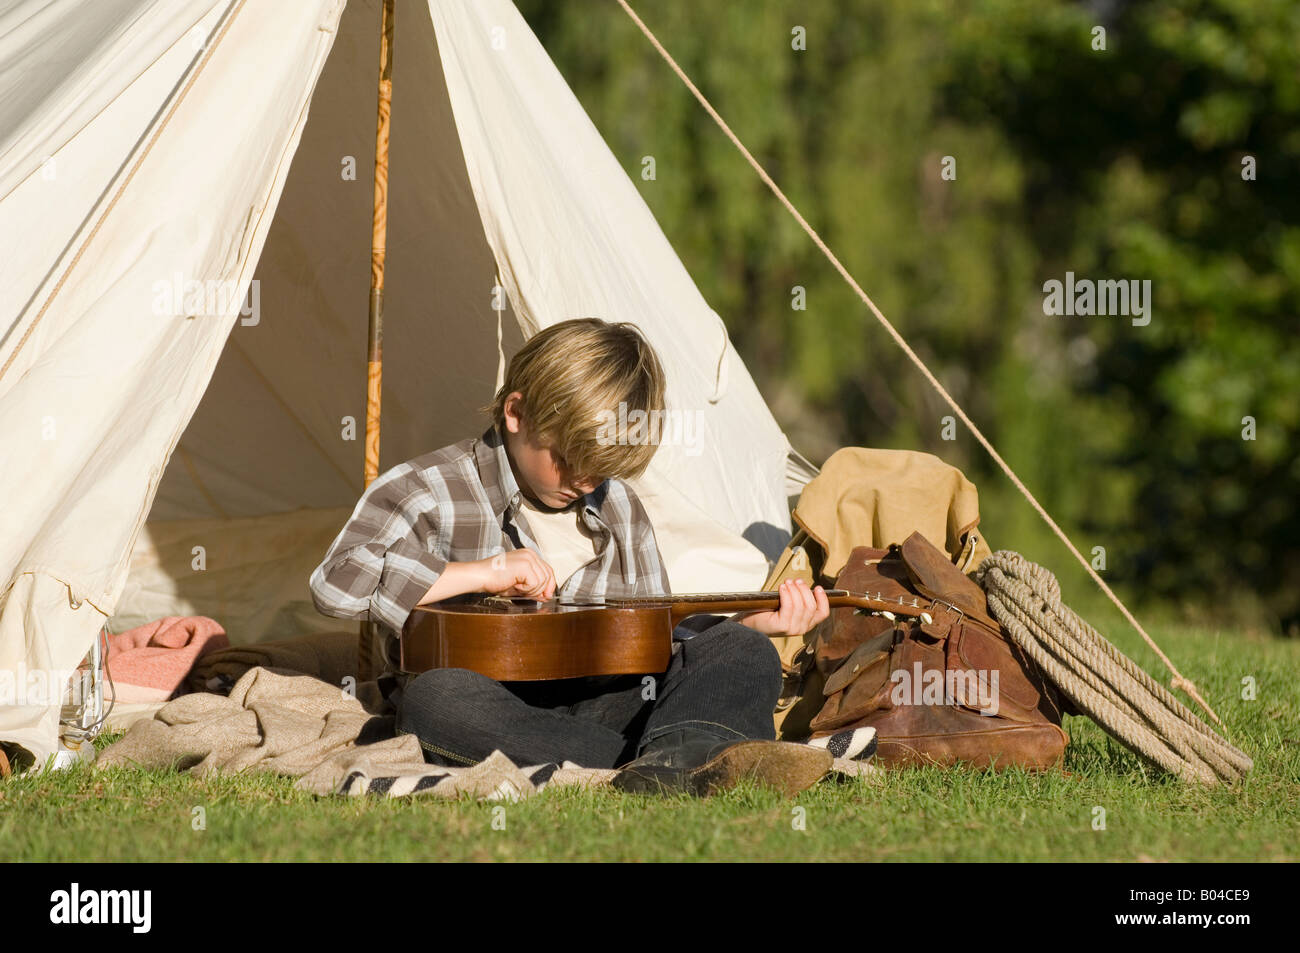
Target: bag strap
[[937, 578]]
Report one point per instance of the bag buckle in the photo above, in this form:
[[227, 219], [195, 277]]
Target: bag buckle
[[936, 601]]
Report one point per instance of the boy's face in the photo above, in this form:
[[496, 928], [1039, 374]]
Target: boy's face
[[542, 475]]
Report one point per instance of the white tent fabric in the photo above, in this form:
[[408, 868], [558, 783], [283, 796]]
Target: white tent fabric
[[180, 448]]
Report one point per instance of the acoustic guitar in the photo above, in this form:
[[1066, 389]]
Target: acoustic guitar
[[516, 639]]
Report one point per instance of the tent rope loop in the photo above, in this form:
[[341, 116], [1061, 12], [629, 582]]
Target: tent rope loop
[[1101, 681]]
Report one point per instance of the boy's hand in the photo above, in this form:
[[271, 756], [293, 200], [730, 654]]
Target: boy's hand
[[520, 572], [801, 609]]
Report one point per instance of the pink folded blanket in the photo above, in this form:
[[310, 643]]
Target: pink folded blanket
[[150, 662]]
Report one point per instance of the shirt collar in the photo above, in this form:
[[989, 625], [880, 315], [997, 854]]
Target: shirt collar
[[495, 473], [499, 481]]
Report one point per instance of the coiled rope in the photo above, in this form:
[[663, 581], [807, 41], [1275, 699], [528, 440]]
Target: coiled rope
[[1101, 681]]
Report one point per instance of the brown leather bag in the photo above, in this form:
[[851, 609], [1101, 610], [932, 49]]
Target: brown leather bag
[[952, 689]]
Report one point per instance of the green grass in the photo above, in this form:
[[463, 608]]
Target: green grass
[[932, 814]]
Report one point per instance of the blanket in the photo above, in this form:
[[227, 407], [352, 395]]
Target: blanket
[[149, 663], [292, 724]]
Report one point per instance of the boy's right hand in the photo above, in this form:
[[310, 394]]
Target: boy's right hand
[[519, 572]]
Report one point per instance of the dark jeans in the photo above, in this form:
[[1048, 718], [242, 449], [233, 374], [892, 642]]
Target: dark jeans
[[724, 680]]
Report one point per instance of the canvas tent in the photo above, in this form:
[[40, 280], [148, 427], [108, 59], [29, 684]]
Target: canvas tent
[[185, 192]]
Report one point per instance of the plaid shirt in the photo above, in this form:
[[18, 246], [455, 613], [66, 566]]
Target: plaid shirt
[[461, 504]]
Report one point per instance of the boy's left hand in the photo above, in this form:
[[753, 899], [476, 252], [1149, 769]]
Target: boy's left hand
[[801, 609]]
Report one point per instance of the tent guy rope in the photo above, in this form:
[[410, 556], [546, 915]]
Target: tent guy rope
[[1179, 681]]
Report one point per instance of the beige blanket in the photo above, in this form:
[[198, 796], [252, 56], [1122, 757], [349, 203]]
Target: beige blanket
[[292, 724]]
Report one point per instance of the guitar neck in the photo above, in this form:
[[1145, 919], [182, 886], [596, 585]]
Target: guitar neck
[[685, 605]]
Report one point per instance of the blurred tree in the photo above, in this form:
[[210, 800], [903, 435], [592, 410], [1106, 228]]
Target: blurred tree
[[1119, 163], [1143, 177]]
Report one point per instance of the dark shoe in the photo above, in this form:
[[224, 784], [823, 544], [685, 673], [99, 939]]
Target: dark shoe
[[702, 764]]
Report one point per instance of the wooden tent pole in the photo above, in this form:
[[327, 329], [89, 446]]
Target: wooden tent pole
[[378, 248]]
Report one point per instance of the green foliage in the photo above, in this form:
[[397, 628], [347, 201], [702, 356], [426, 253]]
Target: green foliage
[[1121, 163]]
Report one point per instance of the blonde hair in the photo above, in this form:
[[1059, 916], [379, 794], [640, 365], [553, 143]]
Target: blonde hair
[[575, 377]]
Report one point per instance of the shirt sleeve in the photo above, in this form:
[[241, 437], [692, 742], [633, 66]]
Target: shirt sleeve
[[388, 554]]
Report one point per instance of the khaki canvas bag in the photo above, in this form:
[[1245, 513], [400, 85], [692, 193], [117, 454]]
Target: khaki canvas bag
[[870, 497]]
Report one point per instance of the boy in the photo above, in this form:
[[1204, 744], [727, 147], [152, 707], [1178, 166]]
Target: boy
[[538, 507]]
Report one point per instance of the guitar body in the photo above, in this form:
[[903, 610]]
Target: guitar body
[[523, 640], [519, 640]]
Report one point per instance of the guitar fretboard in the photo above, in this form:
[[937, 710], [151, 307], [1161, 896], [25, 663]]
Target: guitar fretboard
[[696, 597]]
